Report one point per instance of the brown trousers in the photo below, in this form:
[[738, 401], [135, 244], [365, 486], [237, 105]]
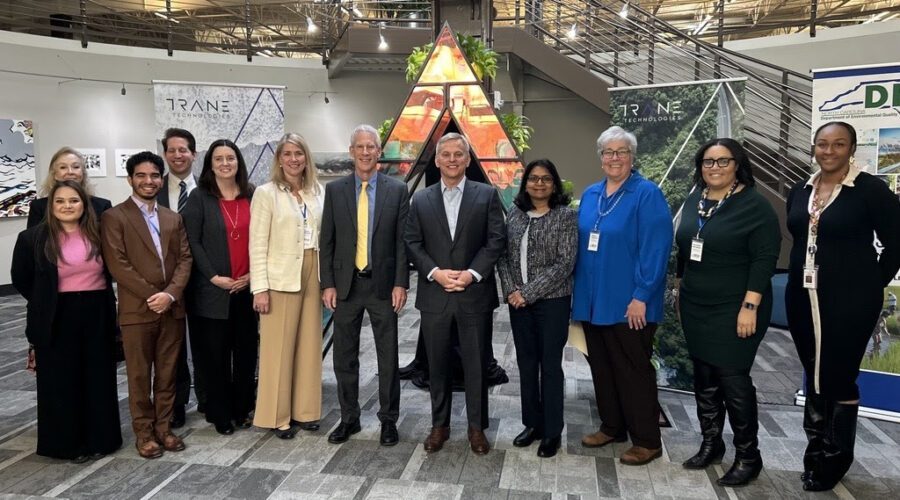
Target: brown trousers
[[625, 381], [151, 356], [290, 353]]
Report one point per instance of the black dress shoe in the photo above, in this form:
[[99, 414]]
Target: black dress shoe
[[225, 429], [80, 459], [178, 417], [389, 434], [306, 426], [243, 422], [548, 447], [343, 432], [285, 433], [526, 437]]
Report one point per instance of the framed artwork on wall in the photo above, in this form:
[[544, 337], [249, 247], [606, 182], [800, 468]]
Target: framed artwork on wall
[[94, 161]]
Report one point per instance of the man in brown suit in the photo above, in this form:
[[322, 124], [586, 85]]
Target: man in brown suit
[[146, 250]]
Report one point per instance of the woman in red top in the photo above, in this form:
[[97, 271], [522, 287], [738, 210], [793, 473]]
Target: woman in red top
[[217, 221]]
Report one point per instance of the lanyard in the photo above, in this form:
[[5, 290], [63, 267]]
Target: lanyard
[[705, 214], [601, 213], [303, 211]]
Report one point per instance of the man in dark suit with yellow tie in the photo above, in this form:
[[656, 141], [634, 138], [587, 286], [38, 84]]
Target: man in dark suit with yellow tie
[[454, 236], [364, 268]]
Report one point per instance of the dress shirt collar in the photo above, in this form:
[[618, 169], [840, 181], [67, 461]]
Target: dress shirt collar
[[848, 181], [174, 182], [144, 207], [372, 180], [461, 186]]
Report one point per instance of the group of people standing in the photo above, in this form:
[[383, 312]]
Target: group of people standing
[[241, 260]]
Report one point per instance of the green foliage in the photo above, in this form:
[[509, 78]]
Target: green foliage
[[670, 346], [385, 128], [888, 361], [483, 59], [893, 326], [518, 129]]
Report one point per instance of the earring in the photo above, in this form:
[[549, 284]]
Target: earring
[[852, 160]]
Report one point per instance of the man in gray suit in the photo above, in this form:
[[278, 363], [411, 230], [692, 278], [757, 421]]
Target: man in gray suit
[[454, 236], [364, 268]]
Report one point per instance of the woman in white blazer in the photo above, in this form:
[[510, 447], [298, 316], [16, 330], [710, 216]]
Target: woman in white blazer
[[285, 219]]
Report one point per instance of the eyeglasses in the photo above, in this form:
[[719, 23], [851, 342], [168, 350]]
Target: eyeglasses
[[365, 147], [540, 179], [721, 162], [609, 154]]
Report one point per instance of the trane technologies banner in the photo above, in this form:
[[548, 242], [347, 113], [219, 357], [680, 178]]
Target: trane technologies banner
[[671, 122], [250, 116]]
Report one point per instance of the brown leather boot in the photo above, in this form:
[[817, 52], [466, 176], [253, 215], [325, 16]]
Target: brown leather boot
[[147, 447], [638, 455], [171, 442], [599, 439], [436, 439]]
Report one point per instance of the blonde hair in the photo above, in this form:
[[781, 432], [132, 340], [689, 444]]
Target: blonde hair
[[309, 182], [50, 180]]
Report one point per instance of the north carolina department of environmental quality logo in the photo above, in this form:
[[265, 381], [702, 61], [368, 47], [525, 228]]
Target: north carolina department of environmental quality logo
[[651, 112], [876, 94]]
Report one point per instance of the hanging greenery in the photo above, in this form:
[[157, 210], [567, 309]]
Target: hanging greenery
[[385, 128], [483, 59], [518, 129]]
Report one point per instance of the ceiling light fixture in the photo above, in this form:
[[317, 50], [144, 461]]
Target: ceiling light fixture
[[310, 25], [624, 12], [702, 26], [382, 43], [573, 32]]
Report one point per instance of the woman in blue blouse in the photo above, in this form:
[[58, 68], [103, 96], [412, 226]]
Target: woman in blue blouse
[[624, 241]]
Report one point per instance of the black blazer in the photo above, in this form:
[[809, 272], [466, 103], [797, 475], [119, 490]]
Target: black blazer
[[479, 241], [208, 237], [37, 279], [337, 244], [162, 197], [38, 209]]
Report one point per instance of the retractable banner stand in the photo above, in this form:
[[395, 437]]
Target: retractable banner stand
[[251, 116], [671, 122], [868, 98]]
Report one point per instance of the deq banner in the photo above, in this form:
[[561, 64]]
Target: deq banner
[[671, 122], [251, 116]]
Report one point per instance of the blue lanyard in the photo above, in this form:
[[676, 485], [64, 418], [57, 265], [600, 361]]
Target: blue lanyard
[[303, 210]]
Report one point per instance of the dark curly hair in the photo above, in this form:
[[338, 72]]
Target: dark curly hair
[[744, 171]]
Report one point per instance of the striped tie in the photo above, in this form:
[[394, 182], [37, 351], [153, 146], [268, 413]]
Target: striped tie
[[182, 195]]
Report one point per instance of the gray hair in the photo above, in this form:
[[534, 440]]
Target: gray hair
[[616, 133], [364, 129], [453, 136]]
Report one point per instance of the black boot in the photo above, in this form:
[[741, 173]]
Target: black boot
[[740, 400], [814, 423], [837, 453], [711, 414]]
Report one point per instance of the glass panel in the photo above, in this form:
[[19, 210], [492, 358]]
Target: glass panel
[[506, 176], [398, 170], [478, 122], [447, 62], [421, 111]]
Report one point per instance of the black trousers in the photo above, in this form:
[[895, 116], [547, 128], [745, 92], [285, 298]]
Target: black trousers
[[227, 350], [474, 331], [348, 316], [540, 332], [625, 381], [78, 406]]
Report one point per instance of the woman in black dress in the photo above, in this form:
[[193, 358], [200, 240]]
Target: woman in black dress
[[66, 164], [58, 268], [728, 243], [834, 292], [536, 276]]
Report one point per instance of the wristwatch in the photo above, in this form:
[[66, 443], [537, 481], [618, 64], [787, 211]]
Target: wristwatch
[[749, 306]]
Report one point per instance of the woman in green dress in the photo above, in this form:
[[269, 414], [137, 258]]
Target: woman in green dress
[[728, 243]]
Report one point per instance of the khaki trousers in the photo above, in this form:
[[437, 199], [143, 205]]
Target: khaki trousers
[[290, 353]]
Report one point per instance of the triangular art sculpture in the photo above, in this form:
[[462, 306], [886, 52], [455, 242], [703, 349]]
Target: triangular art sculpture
[[447, 97]]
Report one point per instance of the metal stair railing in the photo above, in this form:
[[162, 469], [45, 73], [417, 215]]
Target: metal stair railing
[[641, 49]]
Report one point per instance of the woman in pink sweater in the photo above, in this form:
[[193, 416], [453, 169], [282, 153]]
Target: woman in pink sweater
[[58, 268]]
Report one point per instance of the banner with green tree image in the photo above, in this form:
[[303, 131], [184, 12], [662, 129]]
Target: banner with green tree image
[[671, 122]]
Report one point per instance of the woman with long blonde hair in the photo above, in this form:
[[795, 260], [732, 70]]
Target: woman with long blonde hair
[[285, 218], [67, 164]]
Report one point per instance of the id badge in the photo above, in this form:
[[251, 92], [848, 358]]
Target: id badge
[[307, 236], [594, 241], [811, 277], [697, 249]]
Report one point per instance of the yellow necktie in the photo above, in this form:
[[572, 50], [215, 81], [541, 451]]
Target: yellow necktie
[[362, 228]]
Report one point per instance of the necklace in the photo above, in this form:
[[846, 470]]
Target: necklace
[[234, 233], [818, 203], [707, 211]]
